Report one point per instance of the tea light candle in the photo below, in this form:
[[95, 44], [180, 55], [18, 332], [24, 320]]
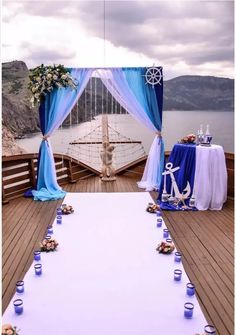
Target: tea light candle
[[159, 222], [37, 255], [20, 286], [165, 233], [50, 230], [177, 256], [18, 305], [59, 219], [209, 329], [177, 274], [188, 310], [38, 269], [168, 240], [48, 237], [59, 211], [190, 289]]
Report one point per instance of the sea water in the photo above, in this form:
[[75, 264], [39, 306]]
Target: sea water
[[176, 124]]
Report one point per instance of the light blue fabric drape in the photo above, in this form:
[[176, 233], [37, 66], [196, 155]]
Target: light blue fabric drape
[[147, 97], [57, 106]]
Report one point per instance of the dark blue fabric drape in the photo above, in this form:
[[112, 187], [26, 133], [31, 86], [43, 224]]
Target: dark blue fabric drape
[[184, 156]]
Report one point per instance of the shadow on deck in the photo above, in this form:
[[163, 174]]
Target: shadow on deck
[[204, 238]]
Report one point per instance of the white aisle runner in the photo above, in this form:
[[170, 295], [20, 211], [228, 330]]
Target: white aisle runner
[[106, 277]]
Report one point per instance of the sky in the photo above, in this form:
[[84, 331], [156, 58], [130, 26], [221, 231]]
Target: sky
[[185, 37]]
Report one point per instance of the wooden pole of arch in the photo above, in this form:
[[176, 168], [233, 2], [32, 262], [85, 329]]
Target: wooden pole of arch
[[108, 172]]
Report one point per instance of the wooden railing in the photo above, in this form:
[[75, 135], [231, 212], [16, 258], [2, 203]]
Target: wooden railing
[[230, 170], [19, 173]]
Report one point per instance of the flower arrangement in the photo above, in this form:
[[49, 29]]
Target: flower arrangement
[[43, 79], [8, 329], [48, 245], [188, 139], [165, 248], [67, 209], [152, 208]]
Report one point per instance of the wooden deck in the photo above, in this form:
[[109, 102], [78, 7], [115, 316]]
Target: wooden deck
[[204, 238]]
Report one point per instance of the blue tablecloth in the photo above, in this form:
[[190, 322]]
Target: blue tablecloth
[[184, 157]]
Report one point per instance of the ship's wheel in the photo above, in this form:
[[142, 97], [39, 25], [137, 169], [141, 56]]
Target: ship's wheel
[[153, 76]]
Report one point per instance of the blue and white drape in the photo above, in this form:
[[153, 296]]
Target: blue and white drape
[[53, 111], [128, 87]]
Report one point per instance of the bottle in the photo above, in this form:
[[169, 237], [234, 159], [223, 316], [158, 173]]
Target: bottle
[[201, 136], [208, 136]]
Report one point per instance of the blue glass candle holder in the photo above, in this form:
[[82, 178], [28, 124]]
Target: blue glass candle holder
[[18, 305], [177, 275], [209, 330], [159, 222], [59, 211], [38, 269], [168, 240], [59, 219], [20, 286], [50, 230], [158, 213], [37, 255], [48, 237], [178, 257], [190, 289], [165, 233], [188, 310]]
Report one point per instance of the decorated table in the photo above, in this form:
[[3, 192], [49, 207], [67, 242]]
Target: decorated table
[[195, 177], [106, 276]]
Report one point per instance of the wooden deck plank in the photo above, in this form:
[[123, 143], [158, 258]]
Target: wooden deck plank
[[208, 257], [206, 240]]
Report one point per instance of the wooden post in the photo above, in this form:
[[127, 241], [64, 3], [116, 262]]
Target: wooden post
[[70, 172], [108, 172], [105, 133], [32, 172], [4, 199]]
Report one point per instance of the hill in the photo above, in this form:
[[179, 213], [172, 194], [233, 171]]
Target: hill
[[199, 93], [181, 93]]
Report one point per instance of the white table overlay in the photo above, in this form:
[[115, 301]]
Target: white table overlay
[[210, 182]]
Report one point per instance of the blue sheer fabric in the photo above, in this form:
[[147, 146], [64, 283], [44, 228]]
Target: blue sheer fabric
[[53, 111], [184, 156], [150, 98]]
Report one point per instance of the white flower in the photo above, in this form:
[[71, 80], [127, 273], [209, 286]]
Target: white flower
[[64, 76], [49, 76], [37, 95], [33, 89], [55, 77]]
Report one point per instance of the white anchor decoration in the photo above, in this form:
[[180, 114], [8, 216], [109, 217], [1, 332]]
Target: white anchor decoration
[[180, 196]]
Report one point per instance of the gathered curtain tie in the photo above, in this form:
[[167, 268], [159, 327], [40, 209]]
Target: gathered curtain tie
[[158, 133], [45, 137]]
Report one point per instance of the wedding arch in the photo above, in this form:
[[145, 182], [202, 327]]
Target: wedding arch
[[138, 89]]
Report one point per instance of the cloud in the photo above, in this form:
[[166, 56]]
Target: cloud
[[181, 35], [44, 55], [185, 28]]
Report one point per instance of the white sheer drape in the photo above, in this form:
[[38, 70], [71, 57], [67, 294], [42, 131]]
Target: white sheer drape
[[115, 82]]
